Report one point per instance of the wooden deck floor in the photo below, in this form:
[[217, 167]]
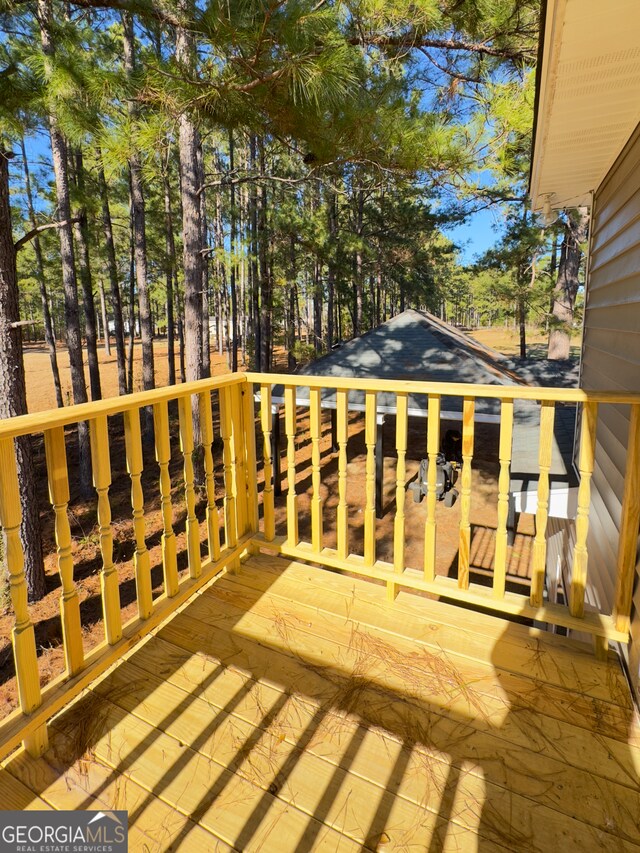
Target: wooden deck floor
[[291, 709]]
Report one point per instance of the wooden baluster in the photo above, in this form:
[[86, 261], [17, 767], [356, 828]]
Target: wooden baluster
[[251, 467], [163, 457], [342, 520], [585, 466], [186, 446], [539, 561], [268, 508], [370, 434], [101, 462], [58, 477], [464, 547], [22, 635], [238, 464], [206, 434], [230, 524], [402, 403], [504, 482], [629, 523], [433, 446], [141, 562], [315, 421], [292, 499]]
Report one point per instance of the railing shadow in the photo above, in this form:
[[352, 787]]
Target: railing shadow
[[473, 758]]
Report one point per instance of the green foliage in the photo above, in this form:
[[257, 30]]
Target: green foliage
[[304, 353], [400, 115]]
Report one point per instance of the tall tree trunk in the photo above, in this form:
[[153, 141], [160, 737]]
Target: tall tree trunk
[[105, 318], [70, 284], [170, 269], [244, 266], [221, 272], [253, 217], [317, 279], [13, 398], [567, 284], [98, 327], [291, 318], [331, 277], [233, 219], [139, 232], [204, 240], [181, 358], [359, 269], [132, 297], [188, 142], [266, 290], [522, 326], [553, 266], [81, 229], [296, 299], [242, 320], [114, 285], [49, 335], [317, 304]]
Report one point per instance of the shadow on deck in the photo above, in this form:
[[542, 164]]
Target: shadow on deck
[[288, 708]]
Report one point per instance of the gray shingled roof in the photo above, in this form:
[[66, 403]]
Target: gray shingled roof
[[413, 345], [416, 345]]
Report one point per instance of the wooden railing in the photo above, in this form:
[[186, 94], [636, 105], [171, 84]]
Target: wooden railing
[[614, 626], [240, 513], [244, 533]]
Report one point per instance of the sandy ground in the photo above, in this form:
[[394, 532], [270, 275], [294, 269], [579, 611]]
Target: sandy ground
[[41, 395], [506, 340], [40, 390], [87, 559]]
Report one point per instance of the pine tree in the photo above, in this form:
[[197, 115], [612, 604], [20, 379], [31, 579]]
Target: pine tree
[[138, 225], [72, 326], [13, 399]]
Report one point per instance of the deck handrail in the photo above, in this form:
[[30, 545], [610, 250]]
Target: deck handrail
[[574, 614], [240, 521], [446, 389], [37, 422], [244, 529]]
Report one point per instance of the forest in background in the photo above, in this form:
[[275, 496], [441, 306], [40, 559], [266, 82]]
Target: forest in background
[[258, 174]]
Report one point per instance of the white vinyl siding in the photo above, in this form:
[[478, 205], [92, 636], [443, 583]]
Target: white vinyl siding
[[611, 361]]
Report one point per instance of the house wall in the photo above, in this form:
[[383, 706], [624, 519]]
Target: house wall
[[611, 361]]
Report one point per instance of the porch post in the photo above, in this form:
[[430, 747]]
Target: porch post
[[275, 450], [379, 465]]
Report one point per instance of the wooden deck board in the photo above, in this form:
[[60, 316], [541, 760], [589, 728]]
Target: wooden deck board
[[524, 665], [289, 764], [519, 656], [432, 679], [470, 624], [288, 708], [334, 735], [65, 782]]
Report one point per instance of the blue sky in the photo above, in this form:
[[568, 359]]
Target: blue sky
[[476, 235]]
